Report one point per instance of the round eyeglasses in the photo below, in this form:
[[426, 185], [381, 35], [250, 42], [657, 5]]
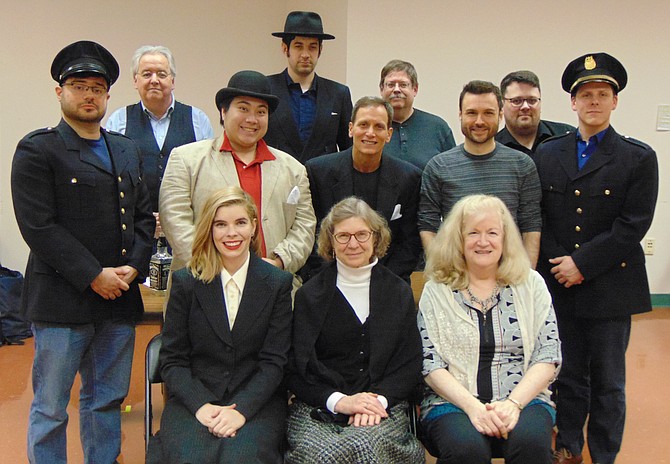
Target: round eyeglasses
[[361, 236]]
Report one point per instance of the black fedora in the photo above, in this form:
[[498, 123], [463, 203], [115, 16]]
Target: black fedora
[[248, 84], [305, 24], [85, 58]]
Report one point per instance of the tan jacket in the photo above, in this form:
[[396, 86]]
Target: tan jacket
[[196, 170]]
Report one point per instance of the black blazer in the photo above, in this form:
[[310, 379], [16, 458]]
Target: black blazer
[[330, 180], [331, 125], [203, 361], [395, 344], [77, 218], [598, 215]]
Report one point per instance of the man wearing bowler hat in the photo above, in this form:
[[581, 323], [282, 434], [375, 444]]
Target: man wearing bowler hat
[[85, 213], [274, 179], [313, 115], [599, 194]]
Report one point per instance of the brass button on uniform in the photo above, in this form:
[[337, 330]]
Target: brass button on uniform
[[123, 252], [122, 195], [119, 179], [73, 180], [123, 210], [579, 211], [123, 226], [577, 193], [623, 264], [578, 229], [576, 246], [607, 191]]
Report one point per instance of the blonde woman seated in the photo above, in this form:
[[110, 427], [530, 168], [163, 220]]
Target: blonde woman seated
[[226, 339], [490, 342], [356, 354]]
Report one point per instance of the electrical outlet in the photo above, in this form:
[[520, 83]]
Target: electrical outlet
[[649, 245]]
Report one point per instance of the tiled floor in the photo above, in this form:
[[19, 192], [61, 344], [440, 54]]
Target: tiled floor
[[646, 438]]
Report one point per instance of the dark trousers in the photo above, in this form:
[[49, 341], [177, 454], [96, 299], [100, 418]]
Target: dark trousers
[[592, 383], [456, 441]]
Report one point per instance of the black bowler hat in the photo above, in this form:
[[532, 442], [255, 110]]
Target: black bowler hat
[[305, 24], [248, 84], [86, 58], [594, 67]]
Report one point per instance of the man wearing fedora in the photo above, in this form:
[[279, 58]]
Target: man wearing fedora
[[313, 115], [274, 179], [84, 211], [599, 194]]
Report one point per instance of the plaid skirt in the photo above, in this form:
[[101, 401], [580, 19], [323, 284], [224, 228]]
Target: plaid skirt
[[313, 441]]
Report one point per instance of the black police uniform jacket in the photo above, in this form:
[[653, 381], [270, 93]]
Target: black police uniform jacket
[[598, 215], [77, 218]]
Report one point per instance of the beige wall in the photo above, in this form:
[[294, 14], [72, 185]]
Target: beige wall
[[450, 43]]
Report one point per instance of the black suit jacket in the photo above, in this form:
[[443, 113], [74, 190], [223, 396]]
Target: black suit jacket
[[598, 215], [331, 124], [77, 217], [203, 361], [330, 180], [395, 344]]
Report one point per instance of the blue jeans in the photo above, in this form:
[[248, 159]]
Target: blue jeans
[[102, 353]]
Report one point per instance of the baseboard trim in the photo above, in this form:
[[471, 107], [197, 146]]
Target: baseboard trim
[[660, 300]]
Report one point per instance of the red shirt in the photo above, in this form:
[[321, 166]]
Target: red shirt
[[250, 177]]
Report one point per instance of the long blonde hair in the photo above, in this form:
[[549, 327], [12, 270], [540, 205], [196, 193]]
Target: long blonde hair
[[206, 262], [445, 259]]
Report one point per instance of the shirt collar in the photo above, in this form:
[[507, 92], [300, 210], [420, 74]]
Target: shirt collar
[[599, 136], [290, 82], [263, 153], [167, 114], [240, 276]]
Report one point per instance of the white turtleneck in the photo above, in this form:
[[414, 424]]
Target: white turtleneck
[[354, 283]]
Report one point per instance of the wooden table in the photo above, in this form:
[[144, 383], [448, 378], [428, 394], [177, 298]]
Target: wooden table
[[153, 305]]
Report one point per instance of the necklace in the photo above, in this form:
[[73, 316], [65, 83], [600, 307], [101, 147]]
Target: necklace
[[487, 304]]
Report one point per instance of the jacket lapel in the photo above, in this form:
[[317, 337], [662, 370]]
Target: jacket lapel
[[343, 183], [224, 163], [323, 111], [601, 156], [387, 192], [284, 119], [74, 143], [254, 299], [210, 297]]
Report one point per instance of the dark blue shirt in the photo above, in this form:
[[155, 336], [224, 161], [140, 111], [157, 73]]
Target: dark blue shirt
[[586, 149], [303, 107]]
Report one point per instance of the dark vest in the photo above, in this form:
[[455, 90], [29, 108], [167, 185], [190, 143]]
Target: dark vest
[[154, 160], [344, 345]]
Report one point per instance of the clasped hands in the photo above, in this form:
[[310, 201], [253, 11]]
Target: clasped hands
[[113, 281], [495, 419], [566, 271], [364, 409], [221, 421]]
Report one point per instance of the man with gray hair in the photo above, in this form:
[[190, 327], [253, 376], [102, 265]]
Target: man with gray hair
[[158, 123], [417, 135]]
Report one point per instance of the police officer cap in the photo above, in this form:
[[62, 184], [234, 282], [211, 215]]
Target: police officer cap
[[594, 67], [86, 58]]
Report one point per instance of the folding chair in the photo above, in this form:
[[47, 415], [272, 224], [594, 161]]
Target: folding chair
[[151, 376]]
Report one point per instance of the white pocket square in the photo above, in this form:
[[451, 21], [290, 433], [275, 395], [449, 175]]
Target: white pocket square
[[294, 196], [396, 213]]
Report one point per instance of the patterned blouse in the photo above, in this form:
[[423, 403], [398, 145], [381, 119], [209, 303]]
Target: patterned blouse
[[501, 356]]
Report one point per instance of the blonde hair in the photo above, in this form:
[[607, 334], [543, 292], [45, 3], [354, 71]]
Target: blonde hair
[[445, 259], [349, 208], [206, 262]]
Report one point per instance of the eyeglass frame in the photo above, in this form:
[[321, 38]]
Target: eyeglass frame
[[401, 85], [149, 74], [340, 234], [84, 88], [524, 100]]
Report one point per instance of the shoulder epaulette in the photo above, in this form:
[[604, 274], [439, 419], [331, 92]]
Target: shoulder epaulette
[[640, 144]]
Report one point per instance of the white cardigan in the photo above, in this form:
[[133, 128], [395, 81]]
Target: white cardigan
[[456, 336]]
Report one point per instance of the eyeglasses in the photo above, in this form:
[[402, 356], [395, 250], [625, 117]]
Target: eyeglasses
[[159, 74], [83, 88], [402, 85], [361, 236], [517, 102]]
